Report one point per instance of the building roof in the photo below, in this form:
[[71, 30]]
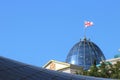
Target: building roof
[[117, 56], [56, 65], [60, 65], [113, 60], [14, 70], [63, 63]]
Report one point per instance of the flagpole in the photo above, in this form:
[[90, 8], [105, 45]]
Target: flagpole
[[85, 29], [84, 32]]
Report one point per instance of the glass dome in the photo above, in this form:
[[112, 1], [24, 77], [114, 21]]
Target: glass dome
[[84, 53]]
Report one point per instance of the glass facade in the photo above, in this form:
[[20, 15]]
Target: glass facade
[[13, 70], [84, 53]]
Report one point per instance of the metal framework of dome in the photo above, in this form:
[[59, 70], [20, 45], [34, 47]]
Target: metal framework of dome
[[84, 53]]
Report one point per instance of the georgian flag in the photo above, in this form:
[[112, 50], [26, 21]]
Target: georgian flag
[[88, 23]]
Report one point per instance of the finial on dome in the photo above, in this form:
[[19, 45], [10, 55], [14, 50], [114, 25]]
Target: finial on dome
[[84, 38]]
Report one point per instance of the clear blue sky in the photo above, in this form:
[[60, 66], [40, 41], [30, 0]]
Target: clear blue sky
[[36, 31]]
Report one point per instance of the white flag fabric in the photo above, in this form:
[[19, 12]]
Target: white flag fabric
[[88, 23]]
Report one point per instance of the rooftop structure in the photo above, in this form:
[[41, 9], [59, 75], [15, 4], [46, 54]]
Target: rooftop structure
[[84, 53], [61, 67]]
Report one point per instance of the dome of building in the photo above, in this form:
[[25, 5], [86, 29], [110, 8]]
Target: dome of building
[[84, 53]]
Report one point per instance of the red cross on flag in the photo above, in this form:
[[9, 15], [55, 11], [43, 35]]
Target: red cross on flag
[[88, 23]]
